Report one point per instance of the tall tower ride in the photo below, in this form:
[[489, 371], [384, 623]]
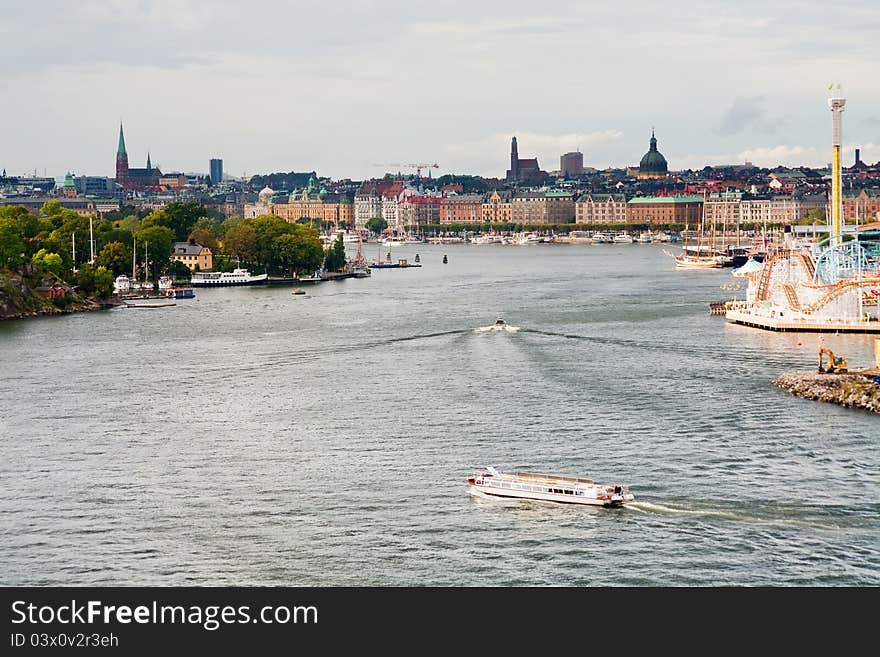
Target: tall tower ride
[[836, 105]]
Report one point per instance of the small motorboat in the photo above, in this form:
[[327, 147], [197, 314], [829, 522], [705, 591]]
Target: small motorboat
[[298, 290], [499, 325]]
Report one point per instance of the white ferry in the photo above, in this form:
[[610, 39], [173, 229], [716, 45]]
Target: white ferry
[[548, 488], [235, 277]]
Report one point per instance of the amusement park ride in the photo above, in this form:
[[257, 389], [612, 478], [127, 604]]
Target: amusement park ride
[[832, 286]]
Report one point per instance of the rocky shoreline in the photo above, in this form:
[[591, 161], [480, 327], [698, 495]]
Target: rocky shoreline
[[853, 390]]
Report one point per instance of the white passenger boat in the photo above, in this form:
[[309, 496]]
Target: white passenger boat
[[623, 238], [602, 238], [547, 488], [227, 278]]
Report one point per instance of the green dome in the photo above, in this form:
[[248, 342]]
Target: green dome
[[653, 161]]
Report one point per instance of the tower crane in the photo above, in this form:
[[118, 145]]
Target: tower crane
[[417, 167]]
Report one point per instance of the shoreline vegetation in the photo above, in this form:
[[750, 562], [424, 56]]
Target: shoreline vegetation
[[20, 298]]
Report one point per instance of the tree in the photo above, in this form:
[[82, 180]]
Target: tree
[[115, 256], [241, 242], [11, 243], [377, 225], [814, 216], [182, 217], [334, 258], [159, 241], [300, 251], [49, 261], [206, 237]]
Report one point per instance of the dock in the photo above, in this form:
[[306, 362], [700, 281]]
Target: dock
[[783, 323]]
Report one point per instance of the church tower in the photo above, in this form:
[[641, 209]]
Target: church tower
[[514, 160], [121, 161]]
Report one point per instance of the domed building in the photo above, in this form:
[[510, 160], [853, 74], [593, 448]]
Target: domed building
[[653, 164], [265, 195]]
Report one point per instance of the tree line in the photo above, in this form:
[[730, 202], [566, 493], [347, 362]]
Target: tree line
[[56, 240]]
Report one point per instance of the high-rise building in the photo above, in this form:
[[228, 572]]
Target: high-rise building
[[571, 164], [216, 171]]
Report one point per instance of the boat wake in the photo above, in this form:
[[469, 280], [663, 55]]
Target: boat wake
[[724, 514], [496, 329]]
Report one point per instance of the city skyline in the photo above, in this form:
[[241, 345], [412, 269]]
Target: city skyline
[[405, 83]]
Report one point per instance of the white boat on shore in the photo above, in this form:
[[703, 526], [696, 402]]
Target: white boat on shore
[[227, 278], [547, 488]]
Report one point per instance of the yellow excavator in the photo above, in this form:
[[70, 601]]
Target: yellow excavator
[[835, 364]]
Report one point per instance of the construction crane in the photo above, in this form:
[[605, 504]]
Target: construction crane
[[417, 167]]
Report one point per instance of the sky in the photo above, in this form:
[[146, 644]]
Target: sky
[[355, 89]]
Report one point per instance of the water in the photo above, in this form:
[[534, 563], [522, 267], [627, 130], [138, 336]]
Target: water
[[253, 437]]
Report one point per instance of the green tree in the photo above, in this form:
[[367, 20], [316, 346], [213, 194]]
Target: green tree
[[377, 225], [159, 241], [334, 258], [181, 217], [12, 245], [115, 256], [103, 283], [241, 242], [300, 251], [814, 216]]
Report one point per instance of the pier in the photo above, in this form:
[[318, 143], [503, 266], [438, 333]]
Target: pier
[[782, 323]]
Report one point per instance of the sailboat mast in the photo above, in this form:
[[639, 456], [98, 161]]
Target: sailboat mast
[[73, 241], [91, 242], [133, 259]]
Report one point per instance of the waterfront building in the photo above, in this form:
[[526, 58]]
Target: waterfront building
[[332, 209], [600, 209], [195, 256], [418, 210], [497, 207], [571, 164], [537, 207], [770, 211], [216, 165], [461, 209], [665, 210], [523, 170], [653, 164]]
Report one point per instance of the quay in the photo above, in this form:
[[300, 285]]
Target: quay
[[782, 323], [857, 389]]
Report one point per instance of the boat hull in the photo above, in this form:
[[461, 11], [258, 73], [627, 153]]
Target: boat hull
[[491, 491], [263, 281]]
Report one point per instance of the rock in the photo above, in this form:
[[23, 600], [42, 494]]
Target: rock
[[852, 390]]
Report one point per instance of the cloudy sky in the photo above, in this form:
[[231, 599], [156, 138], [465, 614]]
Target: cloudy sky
[[349, 88]]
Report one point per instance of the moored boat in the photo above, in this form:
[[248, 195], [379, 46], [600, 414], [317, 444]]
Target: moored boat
[[227, 278], [548, 488]]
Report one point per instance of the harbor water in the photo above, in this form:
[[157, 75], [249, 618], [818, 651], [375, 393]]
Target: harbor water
[[253, 437]]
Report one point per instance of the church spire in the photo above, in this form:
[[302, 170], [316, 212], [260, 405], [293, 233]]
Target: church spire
[[149, 166], [120, 150]]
